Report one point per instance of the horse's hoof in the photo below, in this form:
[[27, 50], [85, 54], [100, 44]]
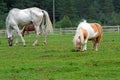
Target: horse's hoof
[[44, 43], [35, 44], [15, 44], [24, 45]]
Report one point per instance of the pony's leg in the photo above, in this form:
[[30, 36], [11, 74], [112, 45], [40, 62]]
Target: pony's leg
[[96, 46], [19, 33], [93, 45], [97, 42], [9, 35], [85, 45], [37, 29]]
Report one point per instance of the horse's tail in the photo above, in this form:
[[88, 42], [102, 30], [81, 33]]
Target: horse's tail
[[48, 23]]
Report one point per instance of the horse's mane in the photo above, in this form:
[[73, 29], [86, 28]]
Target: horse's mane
[[81, 24], [79, 34]]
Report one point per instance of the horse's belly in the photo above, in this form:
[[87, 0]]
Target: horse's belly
[[23, 21], [92, 35], [23, 18]]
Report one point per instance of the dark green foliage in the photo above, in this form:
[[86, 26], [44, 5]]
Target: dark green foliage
[[104, 11], [65, 22]]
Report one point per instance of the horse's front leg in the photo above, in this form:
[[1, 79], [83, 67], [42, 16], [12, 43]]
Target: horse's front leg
[[24, 44], [19, 33], [85, 45], [16, 42]]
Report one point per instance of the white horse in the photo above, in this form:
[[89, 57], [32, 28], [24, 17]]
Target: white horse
[[38, 17], [87, 31]]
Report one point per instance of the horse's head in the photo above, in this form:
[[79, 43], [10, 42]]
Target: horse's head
[[10, 41], [77, 43]]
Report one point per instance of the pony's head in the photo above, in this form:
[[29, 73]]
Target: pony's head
[[77, 43], [10, 41], [79, 37]]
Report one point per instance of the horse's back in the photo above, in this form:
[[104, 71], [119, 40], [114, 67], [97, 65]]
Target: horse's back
[[18, 15], [93, 29], [97, 28], [16, 10], [23, 16]]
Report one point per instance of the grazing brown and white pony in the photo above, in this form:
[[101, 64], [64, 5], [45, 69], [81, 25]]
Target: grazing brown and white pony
[[38, 17], [27, 28], [87, 31]]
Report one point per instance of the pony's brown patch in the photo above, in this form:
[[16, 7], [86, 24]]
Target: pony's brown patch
[[97, 28], [94, 26]]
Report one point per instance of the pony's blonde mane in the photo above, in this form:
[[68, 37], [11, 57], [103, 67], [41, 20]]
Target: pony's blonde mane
[[79, 37]]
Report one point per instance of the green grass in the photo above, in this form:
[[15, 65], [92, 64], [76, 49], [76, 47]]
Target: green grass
[[57, 61]]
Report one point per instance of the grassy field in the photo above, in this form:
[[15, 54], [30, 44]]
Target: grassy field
[[57, 61]]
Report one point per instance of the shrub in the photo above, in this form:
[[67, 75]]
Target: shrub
[[2, 24], [65, 22]]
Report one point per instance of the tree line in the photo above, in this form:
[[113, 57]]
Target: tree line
[[68, 13]]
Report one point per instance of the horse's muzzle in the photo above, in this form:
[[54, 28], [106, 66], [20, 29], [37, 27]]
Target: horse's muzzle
[[10, 44]]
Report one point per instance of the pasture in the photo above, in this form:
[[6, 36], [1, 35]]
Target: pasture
[[58, 61]]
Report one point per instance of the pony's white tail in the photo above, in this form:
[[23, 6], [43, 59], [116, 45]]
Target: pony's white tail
[[49, 27], [81, 36]]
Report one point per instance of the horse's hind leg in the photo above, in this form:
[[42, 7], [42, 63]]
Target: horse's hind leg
[[16, 42], [44, 35], [96, 43], [37, 29], [44, 42], [96, 46]]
